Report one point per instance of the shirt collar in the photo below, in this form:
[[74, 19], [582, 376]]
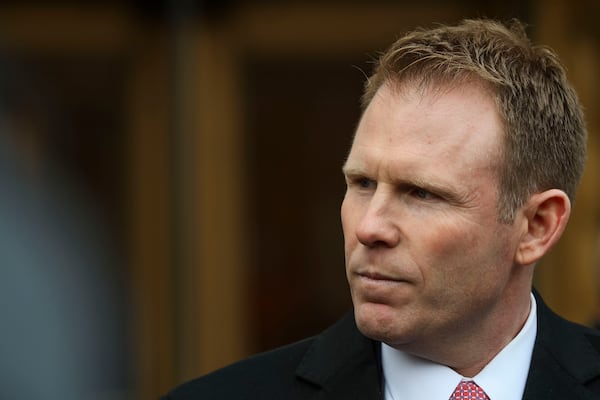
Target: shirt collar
[[504, 377]]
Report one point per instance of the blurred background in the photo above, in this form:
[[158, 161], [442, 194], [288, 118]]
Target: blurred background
[[171, 179]]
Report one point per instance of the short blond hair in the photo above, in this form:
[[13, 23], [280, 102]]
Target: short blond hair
[[545, 142]]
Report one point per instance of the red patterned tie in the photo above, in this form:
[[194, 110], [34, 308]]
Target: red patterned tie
[[468, 390]]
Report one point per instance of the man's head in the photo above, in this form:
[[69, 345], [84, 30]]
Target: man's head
[[545, 136], [438, 257]]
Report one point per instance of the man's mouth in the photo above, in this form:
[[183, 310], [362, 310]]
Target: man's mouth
[[376, 277]]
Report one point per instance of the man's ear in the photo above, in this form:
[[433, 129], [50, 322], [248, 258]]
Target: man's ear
[[546, 216]]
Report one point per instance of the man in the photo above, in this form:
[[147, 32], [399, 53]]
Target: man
[[460, 179]]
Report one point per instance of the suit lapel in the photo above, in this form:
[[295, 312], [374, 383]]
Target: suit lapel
[[564, 359], [342, 364], [549, 381]]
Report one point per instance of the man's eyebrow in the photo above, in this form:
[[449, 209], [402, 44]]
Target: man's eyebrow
[[429, 185], [352, 170]]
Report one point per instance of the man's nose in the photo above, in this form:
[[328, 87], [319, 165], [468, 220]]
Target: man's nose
[[378, 226]]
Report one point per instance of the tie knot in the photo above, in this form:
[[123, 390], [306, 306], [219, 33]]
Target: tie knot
[[468, 390]]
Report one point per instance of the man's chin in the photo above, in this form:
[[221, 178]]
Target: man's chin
[[376, 321]]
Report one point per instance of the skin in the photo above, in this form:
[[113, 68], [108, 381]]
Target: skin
[[432, 271]]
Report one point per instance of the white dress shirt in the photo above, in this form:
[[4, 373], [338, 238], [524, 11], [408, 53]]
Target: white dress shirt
[[503, 378]]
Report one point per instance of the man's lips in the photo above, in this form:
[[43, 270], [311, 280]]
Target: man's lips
[[376, 277], [377, 287]]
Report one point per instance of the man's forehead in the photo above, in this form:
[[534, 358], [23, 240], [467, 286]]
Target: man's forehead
[[432, 88], [416, 126], [442, 103]]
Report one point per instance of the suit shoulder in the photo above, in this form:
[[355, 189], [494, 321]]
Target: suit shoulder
[[574, 349], [268, 374]]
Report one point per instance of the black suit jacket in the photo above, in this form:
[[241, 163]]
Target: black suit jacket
[[343, 364]]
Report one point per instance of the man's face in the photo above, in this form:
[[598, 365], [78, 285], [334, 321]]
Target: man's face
[[427, 259]]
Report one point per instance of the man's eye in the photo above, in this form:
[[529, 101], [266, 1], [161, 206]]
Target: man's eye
[[365, 183], [423, 194], [361, 183]]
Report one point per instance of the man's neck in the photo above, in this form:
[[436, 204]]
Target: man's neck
[[471, 352], [407, 376]]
